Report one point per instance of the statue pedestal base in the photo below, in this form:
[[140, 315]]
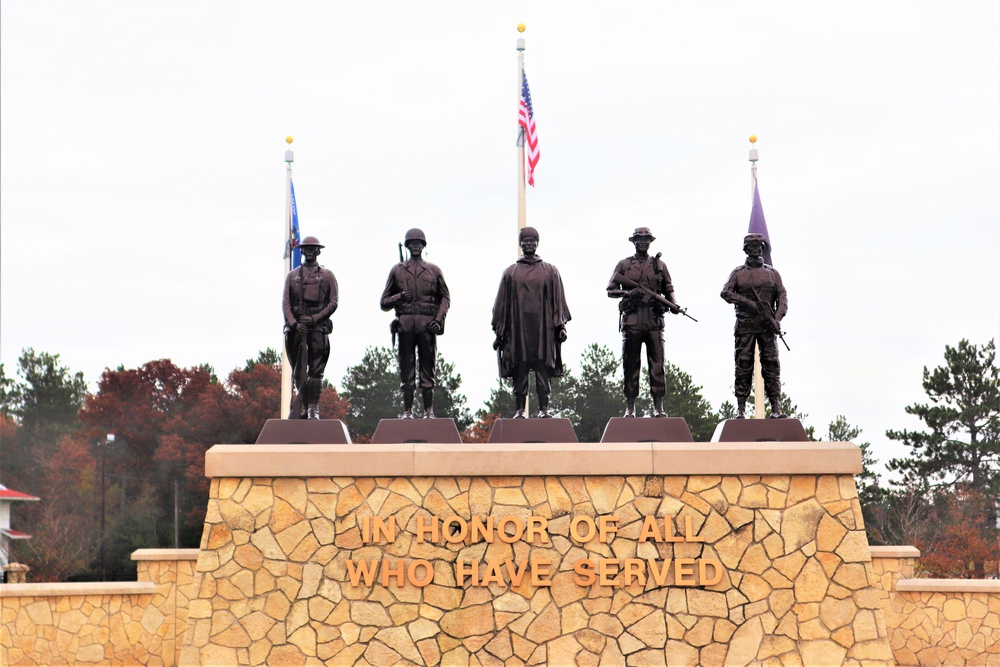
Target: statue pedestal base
[[304, 432], [393, 431], [635, 429], [532, 430], [760, 430]]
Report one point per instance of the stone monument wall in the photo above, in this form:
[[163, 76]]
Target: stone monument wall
[[100, 623], [937, 621], [611, 554], [929, 621]]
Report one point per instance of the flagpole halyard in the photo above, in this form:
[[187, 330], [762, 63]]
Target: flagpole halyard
[[286, 367]]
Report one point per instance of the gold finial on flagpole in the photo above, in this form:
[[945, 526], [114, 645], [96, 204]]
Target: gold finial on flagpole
[[753, 138], [289, 139], [521, 27]]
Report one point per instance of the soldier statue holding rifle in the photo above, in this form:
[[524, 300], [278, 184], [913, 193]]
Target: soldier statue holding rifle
[[643, 284], [755, 289], [416, 290], [309, 299]]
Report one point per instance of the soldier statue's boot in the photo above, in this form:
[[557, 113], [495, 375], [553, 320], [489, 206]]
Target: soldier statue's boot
[[519, 403], [658, 407], [543, 407], [428, 396], [776, 412], [315, 389], [741, 408], [407, 404], [311, 400], [629, 407]]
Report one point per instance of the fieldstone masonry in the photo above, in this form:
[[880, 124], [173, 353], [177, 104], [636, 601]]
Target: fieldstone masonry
[[288, 599], [937, 621], [123, 623], [796, 586]]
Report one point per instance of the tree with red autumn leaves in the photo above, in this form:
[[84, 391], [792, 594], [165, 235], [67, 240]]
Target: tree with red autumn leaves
[[164, 418], [958, 543], [479, 432]]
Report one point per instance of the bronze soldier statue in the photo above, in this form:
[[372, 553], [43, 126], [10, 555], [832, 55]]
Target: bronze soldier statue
[[529, 320], [643, 285], [417, 291], [309, 299], [755, 289]]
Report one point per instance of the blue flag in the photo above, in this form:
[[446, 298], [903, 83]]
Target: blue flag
[[759, 226], [293, 233]]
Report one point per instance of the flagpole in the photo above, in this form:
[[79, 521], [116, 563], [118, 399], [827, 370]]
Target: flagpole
[[286, 367], [521, 205], [758, 377], [522, 215]]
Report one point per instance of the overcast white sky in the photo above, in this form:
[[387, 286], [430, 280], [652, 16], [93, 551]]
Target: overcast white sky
[[142, 175]]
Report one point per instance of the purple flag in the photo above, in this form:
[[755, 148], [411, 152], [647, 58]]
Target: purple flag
[[759, 226]]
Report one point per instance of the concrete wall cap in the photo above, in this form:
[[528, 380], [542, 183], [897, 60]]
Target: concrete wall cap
[[756, 458], [165, 554], [77, 588], [949, 585], [543, 459], [893, 551]]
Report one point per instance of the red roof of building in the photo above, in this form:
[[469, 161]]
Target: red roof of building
[[11, 494], [15, 534]]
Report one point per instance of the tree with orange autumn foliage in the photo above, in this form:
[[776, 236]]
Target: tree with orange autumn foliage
[[479, 432], [164, 418], [957, 544]]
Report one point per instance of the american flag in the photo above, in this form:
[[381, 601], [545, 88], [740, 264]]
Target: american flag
[[526, 119]]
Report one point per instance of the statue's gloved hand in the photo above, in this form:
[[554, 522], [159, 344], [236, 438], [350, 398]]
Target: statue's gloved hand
[[752, 306], [634, 293], [405, 296], [497, 342], [435, 327], [302, 328], [561, 335], [676, 310]]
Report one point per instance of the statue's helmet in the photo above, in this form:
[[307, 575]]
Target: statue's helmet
[[414, 235], [527, 233], [752, 238], [311, 241], [642, 231]]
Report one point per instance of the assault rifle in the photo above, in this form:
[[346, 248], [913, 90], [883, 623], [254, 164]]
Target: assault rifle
[[765, 310], [622, 280]]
